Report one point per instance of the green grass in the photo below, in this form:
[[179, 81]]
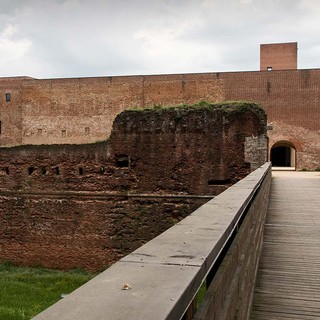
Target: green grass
[[24, 292]]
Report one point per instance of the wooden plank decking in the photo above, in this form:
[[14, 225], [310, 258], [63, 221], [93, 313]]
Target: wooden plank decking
[[288, 283]]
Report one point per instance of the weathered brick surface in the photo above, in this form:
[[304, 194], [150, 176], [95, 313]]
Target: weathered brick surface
[[82, 232], [290, 99], [82, 110], [65, 206], [11, 111], [306, 142], [191, 150], [278, 56]]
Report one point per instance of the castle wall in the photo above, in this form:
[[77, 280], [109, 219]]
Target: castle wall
[[291, 100], [11, 110], [195, 150], [149, 151], [66, 232], [66, 206], [82, 110]]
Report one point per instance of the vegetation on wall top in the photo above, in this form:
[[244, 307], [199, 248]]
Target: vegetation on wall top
[[229, 107]]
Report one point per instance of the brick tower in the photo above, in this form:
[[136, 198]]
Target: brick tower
[[278, 56]]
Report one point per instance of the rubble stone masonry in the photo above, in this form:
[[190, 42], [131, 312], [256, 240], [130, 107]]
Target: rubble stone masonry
[[66, 206]]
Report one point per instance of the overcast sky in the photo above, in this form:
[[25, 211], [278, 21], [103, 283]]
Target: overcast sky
[[80, 38]]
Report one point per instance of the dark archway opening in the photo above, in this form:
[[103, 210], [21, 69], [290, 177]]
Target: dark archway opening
[[283, 155]]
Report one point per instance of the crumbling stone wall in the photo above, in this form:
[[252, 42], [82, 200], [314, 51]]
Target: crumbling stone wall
[[198, 149], [66, 206]]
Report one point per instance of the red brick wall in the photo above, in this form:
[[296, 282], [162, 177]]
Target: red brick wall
[[278, 56], [182, 149], [291, 100], [85, 108], [162, 148], [82, 110], [11, 111], [65, 219], [82, 232]]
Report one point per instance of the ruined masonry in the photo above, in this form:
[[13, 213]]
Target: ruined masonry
[[67, 206]]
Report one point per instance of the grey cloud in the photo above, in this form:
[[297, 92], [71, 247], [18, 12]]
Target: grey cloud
[[87, 38]]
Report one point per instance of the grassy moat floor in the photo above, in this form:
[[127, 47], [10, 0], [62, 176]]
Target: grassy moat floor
[[24, 292]]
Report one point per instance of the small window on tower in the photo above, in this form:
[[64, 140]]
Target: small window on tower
[[8, 97]]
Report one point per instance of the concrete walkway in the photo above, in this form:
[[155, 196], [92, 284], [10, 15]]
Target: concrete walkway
[[288, 284]]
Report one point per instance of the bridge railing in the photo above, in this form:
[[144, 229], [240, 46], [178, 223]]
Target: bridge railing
[[216, 249]]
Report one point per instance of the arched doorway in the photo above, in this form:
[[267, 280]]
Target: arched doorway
[[283, 154]]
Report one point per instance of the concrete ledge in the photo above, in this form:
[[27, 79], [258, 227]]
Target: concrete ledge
[[230, 293], [164, 275]]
